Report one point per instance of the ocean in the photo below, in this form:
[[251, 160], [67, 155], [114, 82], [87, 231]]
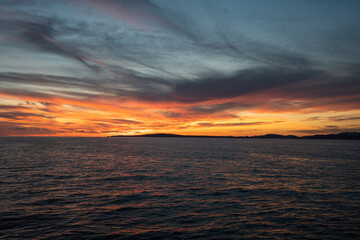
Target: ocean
[[179, 188]]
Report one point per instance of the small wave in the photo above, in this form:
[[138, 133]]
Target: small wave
[[44, 202]]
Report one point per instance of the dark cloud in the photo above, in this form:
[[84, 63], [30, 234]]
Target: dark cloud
[[232, 124], [314, 119], [88, 130], [326, 85], [115, 131], [323, 90], [12, 107], [172, 114], [124, 121], [277, 89], [344, 118], [47, 104], [214, 108], [32, 129], [244, 82], [221, 87], [16, 129], [21, 115]]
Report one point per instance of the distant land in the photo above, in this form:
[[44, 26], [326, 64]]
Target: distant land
[[342, 136]]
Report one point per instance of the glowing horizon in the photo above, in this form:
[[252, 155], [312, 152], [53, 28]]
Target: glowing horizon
[[239, 68]]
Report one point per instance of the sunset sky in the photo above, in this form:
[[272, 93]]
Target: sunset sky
[[230, 67]]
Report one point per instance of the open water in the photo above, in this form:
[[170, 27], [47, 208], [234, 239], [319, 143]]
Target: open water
[[179, 188]]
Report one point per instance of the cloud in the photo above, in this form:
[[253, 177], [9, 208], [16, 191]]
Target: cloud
[[23, 2], [244, 82], [16, 129], [283, 68], [343, 118], [143, 14], [258, 88], [21, 115], [124, 121], [232, 124], [327, 85], [171, 114], [268, 89], [41, 32], [214, 108], [323, 90], [50, 86], [12, 107], [240, 45]]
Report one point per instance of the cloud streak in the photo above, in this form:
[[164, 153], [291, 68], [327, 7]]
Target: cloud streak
[[232, 124], [143, 14]]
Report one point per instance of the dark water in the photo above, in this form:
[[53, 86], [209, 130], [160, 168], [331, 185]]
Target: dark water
[[165, 188]]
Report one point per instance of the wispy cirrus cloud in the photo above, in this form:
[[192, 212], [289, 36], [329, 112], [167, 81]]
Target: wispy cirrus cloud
[[143, 14], [40, 32]]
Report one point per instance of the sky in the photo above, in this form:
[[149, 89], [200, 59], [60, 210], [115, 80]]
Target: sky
[[209, 67]]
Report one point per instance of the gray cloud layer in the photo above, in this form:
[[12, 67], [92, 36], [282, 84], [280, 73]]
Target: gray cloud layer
[[144, 64]]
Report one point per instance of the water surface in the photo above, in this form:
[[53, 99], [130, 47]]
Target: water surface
[[179, 188]]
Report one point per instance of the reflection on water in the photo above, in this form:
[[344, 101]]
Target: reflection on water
[[173, 188]]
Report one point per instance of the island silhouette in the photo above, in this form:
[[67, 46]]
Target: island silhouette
[[340, 136]]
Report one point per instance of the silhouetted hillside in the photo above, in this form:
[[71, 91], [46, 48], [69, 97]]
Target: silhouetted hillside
[[169, 135], [160, 135], [342, 136], [276, 136]]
